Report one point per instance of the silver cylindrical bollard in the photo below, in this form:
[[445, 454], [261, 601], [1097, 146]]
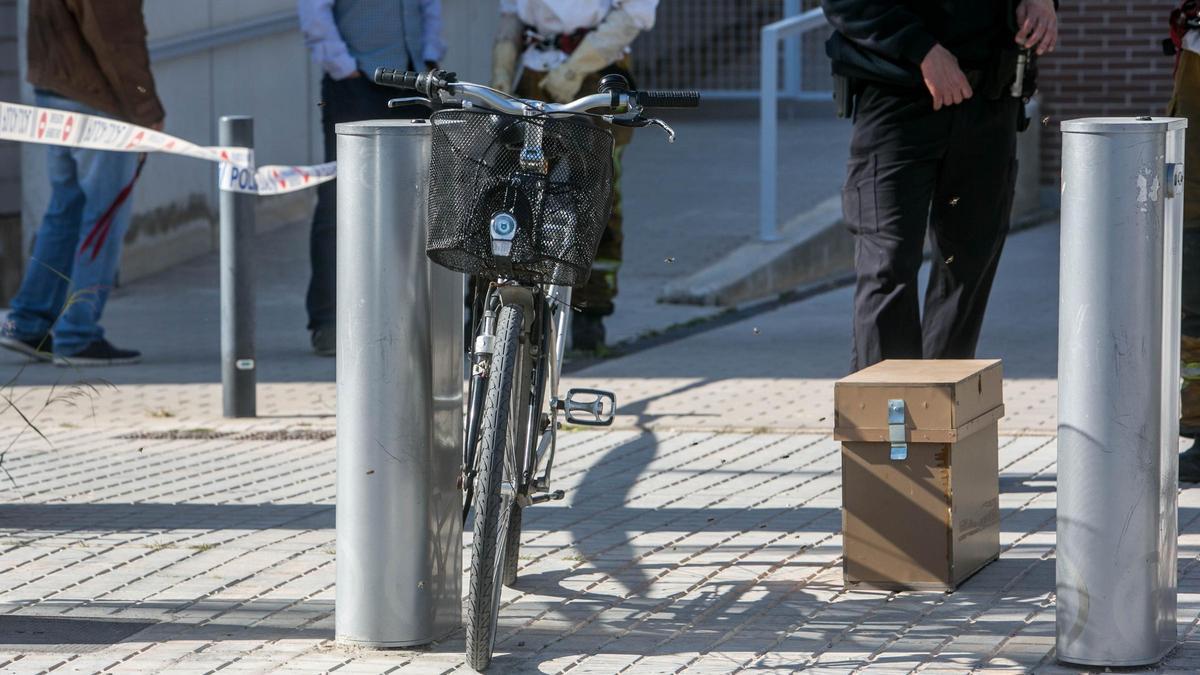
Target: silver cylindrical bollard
[[238, 366], [399, 397], [1118, 369]]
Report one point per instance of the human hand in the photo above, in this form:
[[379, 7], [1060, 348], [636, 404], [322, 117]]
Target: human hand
[[431, 65], [1038, 24], [353, 76], [159, 125], [944, 79], [562, 84]]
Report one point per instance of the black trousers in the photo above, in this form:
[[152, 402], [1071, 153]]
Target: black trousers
[[349, 100], [913, 169]]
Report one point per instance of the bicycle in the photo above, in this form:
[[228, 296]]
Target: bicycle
[[520, 192]]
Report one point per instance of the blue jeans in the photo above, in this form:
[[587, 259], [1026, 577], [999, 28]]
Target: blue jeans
[[64, 290]]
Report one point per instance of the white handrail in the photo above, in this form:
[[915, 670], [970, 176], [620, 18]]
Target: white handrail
[[772, 35]]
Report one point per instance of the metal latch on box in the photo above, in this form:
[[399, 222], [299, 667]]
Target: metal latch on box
[[896, 429]]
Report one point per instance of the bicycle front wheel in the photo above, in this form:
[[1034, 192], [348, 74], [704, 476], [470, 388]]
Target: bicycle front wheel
[[495, 493]]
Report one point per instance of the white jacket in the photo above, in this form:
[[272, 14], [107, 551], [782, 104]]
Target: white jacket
[[555, 17]]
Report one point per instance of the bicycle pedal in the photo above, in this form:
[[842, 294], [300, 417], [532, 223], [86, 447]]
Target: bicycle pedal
[[589, 407], [547, 497]]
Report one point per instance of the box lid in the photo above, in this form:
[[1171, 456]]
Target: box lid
[[945, 401]]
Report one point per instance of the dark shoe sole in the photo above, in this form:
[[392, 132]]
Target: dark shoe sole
[[72, 361], [12, 344]]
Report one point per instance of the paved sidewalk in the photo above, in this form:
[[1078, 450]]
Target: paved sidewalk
[[674, 552], [702, 536]]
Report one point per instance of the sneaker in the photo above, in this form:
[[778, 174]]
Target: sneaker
[[324, 341], [99, 353], [587, 332], [39, 349], [1189, 464]]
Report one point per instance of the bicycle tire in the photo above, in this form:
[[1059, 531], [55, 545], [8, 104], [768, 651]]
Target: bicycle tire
[[497, 456]]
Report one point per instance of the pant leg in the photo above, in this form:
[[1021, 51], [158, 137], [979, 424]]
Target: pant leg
[[969, 218], [1185, 102], [596, 296], [102, 176], [348, 100], [895, 153], [39, 301]]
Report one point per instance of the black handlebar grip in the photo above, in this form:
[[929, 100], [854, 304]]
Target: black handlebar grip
[[401, 79], [668, 99]]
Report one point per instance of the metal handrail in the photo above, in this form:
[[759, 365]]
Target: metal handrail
[[772, 35]]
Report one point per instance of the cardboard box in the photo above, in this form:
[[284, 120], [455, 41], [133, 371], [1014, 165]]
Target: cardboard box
[[920, 473]]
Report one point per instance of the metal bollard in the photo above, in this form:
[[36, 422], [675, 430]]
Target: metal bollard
[[1118, 409], [399, 398], [238, 366]]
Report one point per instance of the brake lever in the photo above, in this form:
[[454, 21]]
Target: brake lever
[[654, 121], [410, 100], [639, 121]]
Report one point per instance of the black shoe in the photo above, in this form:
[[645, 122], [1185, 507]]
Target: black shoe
[[587, 332], [1189, 464], [99, 353], [39, 349], [324, 341]]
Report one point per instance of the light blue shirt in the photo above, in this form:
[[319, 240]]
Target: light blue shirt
[[348, 35]]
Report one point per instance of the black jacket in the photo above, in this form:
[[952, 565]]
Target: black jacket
[[885, 40]]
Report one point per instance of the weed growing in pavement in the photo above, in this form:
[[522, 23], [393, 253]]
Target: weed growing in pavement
[[26, 406], [201, 548]]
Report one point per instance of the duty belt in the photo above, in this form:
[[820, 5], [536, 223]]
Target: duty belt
[[566, 43]]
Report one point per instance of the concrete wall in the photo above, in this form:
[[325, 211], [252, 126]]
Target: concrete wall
[[10, 160], [270, 77]]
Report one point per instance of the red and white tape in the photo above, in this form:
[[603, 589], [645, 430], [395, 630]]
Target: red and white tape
[[272, 179], [236, 173]]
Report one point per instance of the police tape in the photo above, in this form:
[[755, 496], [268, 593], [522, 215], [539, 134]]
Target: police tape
[[236, 171], [273, 180]]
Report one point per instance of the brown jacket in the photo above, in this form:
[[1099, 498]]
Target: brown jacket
[[94, 52]]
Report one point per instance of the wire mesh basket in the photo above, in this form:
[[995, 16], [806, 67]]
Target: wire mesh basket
[[560, 199]]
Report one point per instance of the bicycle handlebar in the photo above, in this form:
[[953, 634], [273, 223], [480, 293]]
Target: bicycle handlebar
[[434, 81], [667, 99], [400, 79]]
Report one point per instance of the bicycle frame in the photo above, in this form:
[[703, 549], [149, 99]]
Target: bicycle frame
[[549, 309]]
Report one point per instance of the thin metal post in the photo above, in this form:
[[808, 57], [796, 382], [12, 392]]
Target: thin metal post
[[399, 397], [768, 136], [1118, 400], [238, 366], [793, 56]]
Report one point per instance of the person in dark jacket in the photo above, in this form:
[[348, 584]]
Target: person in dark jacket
[[89, 57], [934, 146]]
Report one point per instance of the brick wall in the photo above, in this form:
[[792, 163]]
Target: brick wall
[[1109, 61]]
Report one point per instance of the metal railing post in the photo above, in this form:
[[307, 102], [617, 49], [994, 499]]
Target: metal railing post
[[768, 133], [768, 150], [793, 56], [238, 365], [1118, 393]]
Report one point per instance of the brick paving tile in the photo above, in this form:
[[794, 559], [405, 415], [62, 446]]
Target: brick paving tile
[[678, 550]]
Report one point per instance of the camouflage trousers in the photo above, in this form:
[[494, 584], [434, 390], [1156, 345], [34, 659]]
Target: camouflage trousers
[[597, 294], [1185, 102]]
